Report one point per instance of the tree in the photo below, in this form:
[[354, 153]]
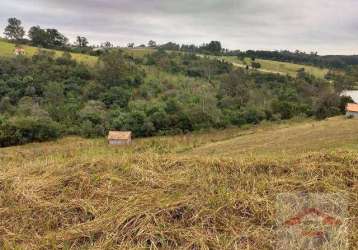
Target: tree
[[170, 46], [214, 47], [47, 38], [107, 45], [38, 36], [14, 30], [255, 65], [327, 105], [130, 45], [56, 39], [152, 44], [82, 41], [114, 70]]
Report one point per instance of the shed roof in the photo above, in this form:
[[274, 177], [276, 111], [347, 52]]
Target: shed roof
[[119, 135], [352, 107]]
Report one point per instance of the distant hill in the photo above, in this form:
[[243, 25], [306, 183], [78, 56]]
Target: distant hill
[[299, 57], [271, 66], [268, 66]]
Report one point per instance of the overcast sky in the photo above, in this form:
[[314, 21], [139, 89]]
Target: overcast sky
[[326, 26]]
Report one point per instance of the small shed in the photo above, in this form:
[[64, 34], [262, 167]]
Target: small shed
[[19, 51], [352, 110], [120, 137]]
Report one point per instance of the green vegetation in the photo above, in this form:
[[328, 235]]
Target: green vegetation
[[278, 67], [159, 194], [214, 144], [7, 50], [46, 96], [138, 52], [299, 57]]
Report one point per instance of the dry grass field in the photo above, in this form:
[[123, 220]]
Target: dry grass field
[[212, 190]]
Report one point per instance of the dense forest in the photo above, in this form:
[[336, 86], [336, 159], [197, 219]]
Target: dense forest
[[44, 97]]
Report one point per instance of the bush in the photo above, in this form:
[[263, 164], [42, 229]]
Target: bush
[[20, 130]]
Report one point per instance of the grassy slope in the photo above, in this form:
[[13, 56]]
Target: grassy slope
[[191, 191], [288, 141], [280, 67], [138, 52], [7, 49]]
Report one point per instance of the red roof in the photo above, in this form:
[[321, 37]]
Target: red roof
[[352, 107]]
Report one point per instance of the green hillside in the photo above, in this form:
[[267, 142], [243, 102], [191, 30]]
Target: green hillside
[[278, 67], [201, 191], [7, 49]]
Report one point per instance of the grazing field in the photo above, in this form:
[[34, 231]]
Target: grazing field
[[213, 190], [279, 67], [7, 50]]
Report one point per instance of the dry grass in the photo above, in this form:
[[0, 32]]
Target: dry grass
[[287, 140], [156, 194]]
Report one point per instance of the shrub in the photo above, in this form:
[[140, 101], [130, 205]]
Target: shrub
[[20, 130]]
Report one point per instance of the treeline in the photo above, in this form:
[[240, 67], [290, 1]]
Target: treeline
[[331, 61], [50, 38], [45, 97], [54, 39]]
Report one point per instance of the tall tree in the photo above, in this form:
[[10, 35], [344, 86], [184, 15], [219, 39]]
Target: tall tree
[[14, 30], [107, 45], [56, 39], [38, 36], [152, 44], [213, 47], [82, 41], [47, 38]]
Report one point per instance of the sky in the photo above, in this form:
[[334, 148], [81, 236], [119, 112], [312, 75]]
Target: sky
[[325, 26]]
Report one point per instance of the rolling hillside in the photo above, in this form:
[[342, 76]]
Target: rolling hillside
[[7, 49], [278, 67], [287, 140], [212, 190]]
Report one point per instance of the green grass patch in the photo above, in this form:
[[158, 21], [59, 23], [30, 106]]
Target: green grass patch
[[7, 50], [279, 67]]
